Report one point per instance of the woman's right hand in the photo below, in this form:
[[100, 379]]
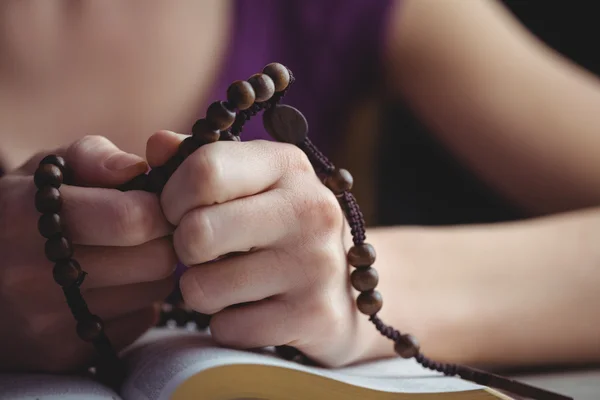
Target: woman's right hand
[[121, 239]]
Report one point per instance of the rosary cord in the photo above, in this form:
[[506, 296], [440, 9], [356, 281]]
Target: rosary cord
[[224, 123]]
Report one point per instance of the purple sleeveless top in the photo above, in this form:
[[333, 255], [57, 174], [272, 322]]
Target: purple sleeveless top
[[333, 47]]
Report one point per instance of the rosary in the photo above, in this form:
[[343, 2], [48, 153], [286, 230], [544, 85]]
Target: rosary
[[224, 122]]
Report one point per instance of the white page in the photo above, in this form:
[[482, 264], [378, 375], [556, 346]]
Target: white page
[[182, 354], [52, 387]]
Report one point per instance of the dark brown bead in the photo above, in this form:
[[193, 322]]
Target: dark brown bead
[[90, 328], [285, 124], [339, 181], [204, 133], [370, 302], [279, 74], [364, 279], [55, 160], [157, 178], [227, 136], [241, 95], [137, 183], [58, 248], [66, 272], [407, 346], [219, 116], [180, 316], [188, 146], [362, 255], [288, 352], [48, 175], [263, 85], [202, 320], [49, 225], [172, 164], [48, 200]]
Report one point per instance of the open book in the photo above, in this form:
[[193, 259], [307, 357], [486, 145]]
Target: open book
[[178, 364]]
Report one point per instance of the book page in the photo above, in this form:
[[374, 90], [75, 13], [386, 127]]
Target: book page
[[52, 387], [163, 360]]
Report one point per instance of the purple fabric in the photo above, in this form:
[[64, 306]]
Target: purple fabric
[[332, 46]]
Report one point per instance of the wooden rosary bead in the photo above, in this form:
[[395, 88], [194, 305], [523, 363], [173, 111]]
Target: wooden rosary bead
[[58, 248], [90, 328], [219, 116], [137, 183], [48, 200], [157, 178], [202, 320], [407, 346], [49, 225], [339, 181], [288, 352], [263, 85], [179, 316], [285, 124], [188, 146], [362, 255], [204, 133], [364, 279], [66, 272], [279, 74], [240, 95], [48, 175], [55, 160], [369, 302], [227, 136], [172, 164]]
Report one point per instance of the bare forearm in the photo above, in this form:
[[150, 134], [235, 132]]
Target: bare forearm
[[516, 113], [519, 293]]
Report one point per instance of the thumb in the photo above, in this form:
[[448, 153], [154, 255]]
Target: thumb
[[161, 146], [96, 161]]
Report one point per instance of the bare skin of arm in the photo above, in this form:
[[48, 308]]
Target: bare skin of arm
[[522, 117], [526, 121]]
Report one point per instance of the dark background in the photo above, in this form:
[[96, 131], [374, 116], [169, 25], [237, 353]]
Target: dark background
[[420, 183]]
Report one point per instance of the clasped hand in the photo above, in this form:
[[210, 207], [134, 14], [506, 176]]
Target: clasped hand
[[262, 237]]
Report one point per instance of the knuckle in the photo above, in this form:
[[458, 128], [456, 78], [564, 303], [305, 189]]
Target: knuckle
[[295, 159], [320, 214], [192, 238], [131, 224], [324, 267], [41, 325], [84, 142], [206, 170]]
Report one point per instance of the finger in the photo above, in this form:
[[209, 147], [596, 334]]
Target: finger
[[124, 330], [267, 323], [161, 146], [212, 287], [115, 266], [90, 216], [112, 302], [109, 217], [206, 233], [96, 161], [222, 172]]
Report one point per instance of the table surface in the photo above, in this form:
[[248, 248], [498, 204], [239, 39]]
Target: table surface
[[580, 384]]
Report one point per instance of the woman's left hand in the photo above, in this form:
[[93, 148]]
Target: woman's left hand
[[287, 282]]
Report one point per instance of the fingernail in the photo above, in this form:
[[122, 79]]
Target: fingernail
[[123, 161]]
